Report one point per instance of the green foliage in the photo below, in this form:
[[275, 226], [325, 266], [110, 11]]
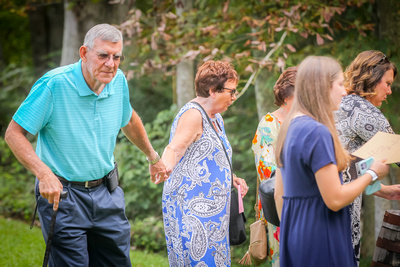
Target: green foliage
[[149, 95], [148, 234], [17, 186], [14, 34], [240, 124], [142, 197], [234, 30], [15, 83]]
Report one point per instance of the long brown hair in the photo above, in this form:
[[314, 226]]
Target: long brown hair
[[314, 79]]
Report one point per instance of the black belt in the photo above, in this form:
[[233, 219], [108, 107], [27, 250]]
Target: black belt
[[87, 184]]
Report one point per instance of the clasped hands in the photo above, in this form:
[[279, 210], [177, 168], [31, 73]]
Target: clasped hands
[[159, 172]]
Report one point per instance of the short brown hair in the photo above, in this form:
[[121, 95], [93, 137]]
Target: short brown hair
[[366, 71], [284, 86], [213, 75]]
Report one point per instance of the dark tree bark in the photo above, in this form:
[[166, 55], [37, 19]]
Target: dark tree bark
[[46, 27]]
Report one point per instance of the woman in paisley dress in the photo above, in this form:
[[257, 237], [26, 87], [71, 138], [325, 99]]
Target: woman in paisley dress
[[264, 149], [196, 197], [310, 196], [368, 82]]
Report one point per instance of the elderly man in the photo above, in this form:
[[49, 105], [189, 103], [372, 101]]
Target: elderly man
[[77, 111]]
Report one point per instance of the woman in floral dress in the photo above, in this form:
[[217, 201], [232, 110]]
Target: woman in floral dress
[[264, 148]]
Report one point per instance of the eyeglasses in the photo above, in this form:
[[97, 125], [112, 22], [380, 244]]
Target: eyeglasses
[[104, 57], [233, 91]]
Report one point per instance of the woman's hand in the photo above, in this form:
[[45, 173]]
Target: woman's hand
[[390, 192], [158, 172], [380, 168], [243, 185]]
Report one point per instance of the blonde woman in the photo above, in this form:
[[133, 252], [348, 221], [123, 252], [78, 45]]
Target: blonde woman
[[312, 201]]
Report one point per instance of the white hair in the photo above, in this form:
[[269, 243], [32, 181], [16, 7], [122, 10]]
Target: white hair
[[104, 32]]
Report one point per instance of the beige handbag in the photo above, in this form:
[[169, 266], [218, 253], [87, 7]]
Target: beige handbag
[[258, 248]]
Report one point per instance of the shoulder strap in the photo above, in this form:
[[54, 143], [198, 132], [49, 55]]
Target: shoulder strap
[[256, 205], [222, 143]]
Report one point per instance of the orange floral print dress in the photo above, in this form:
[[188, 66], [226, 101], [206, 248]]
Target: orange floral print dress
[[263, 146]]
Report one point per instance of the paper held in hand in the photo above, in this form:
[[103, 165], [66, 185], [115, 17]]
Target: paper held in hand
[[382, 145]]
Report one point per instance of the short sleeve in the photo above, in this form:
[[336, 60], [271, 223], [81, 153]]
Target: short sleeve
[[35, 112], [127, 107], [319, 150], [263, 146]]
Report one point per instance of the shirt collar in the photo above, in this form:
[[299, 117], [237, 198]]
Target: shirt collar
[[83, 88]]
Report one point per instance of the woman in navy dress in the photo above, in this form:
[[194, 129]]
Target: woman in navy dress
[[311, 198]]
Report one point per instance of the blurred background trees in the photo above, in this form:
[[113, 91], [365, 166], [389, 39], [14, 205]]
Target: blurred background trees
[[165, 41]]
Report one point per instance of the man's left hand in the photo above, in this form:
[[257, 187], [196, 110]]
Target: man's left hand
[[158, 172]]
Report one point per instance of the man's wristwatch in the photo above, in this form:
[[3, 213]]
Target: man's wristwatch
[[373, 175], [154, 161]]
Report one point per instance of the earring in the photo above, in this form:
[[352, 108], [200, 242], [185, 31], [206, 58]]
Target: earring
[[285, 104]]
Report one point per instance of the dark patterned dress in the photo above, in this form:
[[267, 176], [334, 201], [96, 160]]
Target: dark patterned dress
[[196, 200], [357, 121]]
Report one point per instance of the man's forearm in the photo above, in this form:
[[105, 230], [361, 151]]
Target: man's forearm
[[23, 150]]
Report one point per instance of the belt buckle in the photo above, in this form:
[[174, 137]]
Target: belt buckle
[[87, 184]]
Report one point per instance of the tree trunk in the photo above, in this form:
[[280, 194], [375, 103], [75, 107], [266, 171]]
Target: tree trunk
[[368, 226], [264, 94], [185, 82], [185, 70], [72, 39], [80, 16]]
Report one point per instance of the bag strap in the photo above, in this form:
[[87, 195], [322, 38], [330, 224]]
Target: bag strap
[[222, 143], [257, 212]]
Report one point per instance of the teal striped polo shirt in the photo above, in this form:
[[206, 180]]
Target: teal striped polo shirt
[[77, 128]]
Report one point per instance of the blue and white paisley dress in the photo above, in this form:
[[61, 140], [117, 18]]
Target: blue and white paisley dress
[[196, 200]]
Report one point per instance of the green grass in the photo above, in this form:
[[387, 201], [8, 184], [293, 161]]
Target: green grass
[[21, 246]]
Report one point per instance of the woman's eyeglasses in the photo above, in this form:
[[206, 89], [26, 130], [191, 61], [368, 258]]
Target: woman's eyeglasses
[[233, 91]]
